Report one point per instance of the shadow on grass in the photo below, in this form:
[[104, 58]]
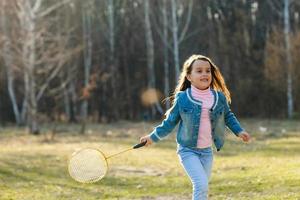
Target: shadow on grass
[[45, 173]]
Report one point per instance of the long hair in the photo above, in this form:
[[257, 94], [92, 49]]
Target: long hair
[[218, 82]]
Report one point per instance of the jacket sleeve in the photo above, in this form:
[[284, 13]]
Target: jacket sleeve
[[230, 120], [168, 124]]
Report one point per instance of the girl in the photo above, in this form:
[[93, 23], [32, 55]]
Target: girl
[[200, 106]]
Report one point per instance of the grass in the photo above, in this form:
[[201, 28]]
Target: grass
[[32, 168]]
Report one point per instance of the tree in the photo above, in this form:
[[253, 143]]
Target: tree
[[284, 13], [7, 55], [87, 57], [42, 54], [288, 58]]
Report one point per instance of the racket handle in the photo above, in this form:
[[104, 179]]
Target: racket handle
[[139, 145]]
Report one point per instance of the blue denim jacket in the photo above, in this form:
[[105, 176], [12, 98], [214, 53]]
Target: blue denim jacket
[[186, 111]]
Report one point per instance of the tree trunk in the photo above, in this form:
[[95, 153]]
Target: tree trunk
[[175, 39], [212, 47], [166, 54], [8, 64], [74, 110], [87, 37], [112, 57], [150, 55], [290, 108], [29, 59], [67, 102]]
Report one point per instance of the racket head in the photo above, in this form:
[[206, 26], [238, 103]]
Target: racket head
[[87, 165]]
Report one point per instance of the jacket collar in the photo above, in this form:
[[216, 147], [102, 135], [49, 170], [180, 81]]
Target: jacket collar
[[190, 97]]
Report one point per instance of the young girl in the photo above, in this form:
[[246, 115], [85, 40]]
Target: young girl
[[200, 106]]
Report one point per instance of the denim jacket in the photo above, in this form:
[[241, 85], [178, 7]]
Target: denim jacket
[[186, 111]]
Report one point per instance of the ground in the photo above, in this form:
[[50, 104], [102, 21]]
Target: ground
[[34, 167]]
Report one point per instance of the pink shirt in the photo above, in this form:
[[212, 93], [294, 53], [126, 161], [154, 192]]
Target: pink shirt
[[207, 99]]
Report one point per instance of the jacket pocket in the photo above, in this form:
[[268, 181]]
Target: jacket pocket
[[186, 114], [219, 111], [219, 128]]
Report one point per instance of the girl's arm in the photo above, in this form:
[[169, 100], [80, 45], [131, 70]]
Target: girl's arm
[[230, 120], [234, 125]]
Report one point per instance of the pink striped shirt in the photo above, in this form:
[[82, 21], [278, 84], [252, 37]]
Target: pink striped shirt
[[207, 99]]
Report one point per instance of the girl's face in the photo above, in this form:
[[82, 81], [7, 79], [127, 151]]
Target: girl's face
[[200, 76]]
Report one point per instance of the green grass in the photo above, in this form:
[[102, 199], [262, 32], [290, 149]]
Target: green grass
[[267, 168]]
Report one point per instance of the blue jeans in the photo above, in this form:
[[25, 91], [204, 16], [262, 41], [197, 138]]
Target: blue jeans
[[198, 164]]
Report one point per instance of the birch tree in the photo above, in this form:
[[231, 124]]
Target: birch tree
[[87, 56], [175, 21], [7, 57], [43, 54], [179, 34], [112, 53], [150, 54], [166, 53], [287, 28], [108, 22], [284, 13]]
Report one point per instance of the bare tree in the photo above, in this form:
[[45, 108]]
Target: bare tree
[[179, 34], [289, 92], [112, 55], [150, 53], [7, 56], [166, 53], [43, 54], [178, 29], [285, 14], [87, 38]]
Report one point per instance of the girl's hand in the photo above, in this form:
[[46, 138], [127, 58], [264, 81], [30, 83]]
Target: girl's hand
[[146, 138], [245, 136]]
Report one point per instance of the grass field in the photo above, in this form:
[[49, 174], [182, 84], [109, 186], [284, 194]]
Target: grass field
[[33, 168]]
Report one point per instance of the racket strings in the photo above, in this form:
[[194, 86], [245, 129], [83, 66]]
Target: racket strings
[[88, 165]]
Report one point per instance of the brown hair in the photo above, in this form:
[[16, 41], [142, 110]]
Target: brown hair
[[218, 82]]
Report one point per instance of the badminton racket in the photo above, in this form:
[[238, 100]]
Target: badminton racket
[[89, 165]]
